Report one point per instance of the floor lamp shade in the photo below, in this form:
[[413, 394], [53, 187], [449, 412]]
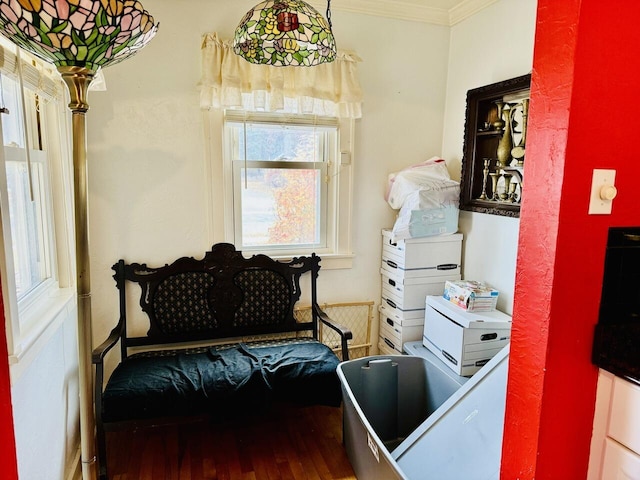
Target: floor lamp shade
[[79, 37], [80, 33]]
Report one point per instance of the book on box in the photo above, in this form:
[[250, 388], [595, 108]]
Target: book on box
[[471, 295]]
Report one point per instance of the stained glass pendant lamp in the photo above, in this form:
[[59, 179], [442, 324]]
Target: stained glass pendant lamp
[[79, 37], [285, 33]]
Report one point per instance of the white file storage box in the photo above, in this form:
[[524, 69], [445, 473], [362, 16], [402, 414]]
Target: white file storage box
[[464, 341], [391, 268], [396, 303], [395, 309], [411, 293], [423, 253], [385, 349], [398, 334], [400, 317], [397, 328]]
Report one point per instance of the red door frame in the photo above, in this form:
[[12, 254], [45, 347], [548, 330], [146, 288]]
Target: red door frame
[[8, 461], [584, 63]]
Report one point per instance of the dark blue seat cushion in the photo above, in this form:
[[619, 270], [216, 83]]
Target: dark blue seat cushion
[[214, 380]]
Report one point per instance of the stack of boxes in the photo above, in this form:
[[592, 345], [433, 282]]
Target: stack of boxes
[[413, 269]]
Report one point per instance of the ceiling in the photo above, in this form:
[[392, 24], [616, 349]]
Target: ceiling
[[440, 12]]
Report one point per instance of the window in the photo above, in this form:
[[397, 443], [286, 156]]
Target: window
[[28, 192], [286, 176], [29, 218], [34, 178], [310, 115]]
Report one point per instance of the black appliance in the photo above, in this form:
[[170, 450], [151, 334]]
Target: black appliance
[[616, 345]]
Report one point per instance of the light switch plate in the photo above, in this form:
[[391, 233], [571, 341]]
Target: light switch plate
[[601, 178]]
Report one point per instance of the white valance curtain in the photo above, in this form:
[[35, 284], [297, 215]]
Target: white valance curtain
[[39, 76], [36, 75], [229, 81]]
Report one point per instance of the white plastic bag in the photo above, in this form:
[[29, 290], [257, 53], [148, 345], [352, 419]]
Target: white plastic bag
[[431, 174], [428, 200], [424, 216]]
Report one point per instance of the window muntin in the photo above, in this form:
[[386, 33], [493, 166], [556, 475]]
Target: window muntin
[[283, 197]]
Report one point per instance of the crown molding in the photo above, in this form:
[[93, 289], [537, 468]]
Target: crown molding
[[415, 10], [394, 9], [466, 9]]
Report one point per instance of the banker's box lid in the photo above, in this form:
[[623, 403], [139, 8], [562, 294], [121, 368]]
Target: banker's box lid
[[387, 233], [493, 319]]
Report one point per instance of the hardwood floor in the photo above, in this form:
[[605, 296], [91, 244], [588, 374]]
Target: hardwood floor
[[292, 444]]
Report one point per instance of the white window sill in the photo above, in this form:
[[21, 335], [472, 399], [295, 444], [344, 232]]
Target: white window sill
[[41, 323], [327, 261]]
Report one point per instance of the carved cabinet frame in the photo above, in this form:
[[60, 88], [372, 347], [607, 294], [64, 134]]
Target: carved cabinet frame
[[481, 140]]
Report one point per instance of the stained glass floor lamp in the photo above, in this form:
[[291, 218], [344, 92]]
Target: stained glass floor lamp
[[79, 37]]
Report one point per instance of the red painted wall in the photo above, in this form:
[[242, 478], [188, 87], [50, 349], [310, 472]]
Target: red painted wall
[[585, 73], [8, 465]]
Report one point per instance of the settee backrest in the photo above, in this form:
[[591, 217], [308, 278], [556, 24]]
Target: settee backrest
[[222, 295]]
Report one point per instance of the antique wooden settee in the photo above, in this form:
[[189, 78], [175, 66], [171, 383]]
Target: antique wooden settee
[[205, 351]]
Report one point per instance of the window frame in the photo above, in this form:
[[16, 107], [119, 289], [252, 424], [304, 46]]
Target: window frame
[[219, 170], [36, 316], [37, 157], [326, 132]]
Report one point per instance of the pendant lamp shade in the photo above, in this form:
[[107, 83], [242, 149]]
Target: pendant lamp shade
[[285, 33], [81, 33]]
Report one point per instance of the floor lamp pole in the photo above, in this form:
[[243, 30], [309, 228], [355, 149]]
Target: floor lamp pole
[[77, 80]]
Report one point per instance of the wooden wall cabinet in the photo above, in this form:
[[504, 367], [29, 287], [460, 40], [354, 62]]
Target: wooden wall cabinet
[[492, 179]]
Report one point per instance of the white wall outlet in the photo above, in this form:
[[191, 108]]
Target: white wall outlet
[[603, 191]]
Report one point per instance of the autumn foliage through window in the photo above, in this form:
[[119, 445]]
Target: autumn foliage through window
[[281, 183]]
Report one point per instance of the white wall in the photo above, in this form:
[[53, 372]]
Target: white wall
[[45, 405], [147, 167], [494, 45]]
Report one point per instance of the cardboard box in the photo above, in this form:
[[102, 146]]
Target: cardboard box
[[397, 326], [432, 256], [385, 348], [410, 293], [471, 295], [407, 318], [434, 221], [464, 341], [402, 317], [396, 336]]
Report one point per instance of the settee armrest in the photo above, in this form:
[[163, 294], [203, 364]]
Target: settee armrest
[[97, 357], [344, 332], [101, 350]]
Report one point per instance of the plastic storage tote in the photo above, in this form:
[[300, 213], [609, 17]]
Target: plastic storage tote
[[406, 418]]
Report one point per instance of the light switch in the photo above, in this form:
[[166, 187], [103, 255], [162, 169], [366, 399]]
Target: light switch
[[603, 191]]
